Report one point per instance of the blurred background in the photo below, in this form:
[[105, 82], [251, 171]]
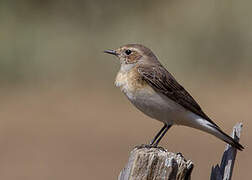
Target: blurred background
[[61, 116]]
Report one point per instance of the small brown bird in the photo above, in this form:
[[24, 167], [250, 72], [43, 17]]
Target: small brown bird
[[155, 92]]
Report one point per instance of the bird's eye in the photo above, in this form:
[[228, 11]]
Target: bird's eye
[[128, 52]]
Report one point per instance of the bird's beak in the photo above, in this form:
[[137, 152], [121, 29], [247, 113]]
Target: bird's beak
[[113, 52]]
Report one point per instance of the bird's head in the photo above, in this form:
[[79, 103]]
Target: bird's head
[[133, 54]]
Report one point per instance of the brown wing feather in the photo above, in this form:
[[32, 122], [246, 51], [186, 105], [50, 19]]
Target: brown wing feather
[[162, 81]]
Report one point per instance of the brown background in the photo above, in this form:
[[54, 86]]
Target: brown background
[[62, 118]]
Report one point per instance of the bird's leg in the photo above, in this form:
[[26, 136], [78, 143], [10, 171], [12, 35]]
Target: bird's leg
[[162, 135], [157, 135]]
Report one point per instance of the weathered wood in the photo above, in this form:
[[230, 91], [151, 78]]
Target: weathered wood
[[147, 163], [224, 171]]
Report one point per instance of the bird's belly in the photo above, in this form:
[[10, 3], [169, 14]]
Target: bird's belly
[[157, 106]]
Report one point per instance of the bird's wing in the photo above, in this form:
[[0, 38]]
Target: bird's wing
[[163, 82]]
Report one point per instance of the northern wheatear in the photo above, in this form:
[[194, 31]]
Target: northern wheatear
[[155, 92]]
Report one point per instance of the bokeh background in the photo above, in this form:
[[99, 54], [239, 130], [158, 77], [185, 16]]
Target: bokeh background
[[61, 116]]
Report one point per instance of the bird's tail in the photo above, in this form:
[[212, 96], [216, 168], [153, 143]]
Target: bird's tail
[[213, 129], [223, 136]]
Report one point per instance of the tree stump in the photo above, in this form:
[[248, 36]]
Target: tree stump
[[148, 163]]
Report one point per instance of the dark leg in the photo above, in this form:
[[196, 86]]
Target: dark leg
[[162, 135], [157, 135]]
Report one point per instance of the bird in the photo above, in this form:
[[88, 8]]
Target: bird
[[154, 91]]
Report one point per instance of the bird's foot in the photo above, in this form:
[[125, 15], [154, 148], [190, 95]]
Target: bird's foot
[[149, 146], [180, 154]]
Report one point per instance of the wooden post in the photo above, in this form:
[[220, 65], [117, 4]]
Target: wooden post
[[147, 163], [224, 171]]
